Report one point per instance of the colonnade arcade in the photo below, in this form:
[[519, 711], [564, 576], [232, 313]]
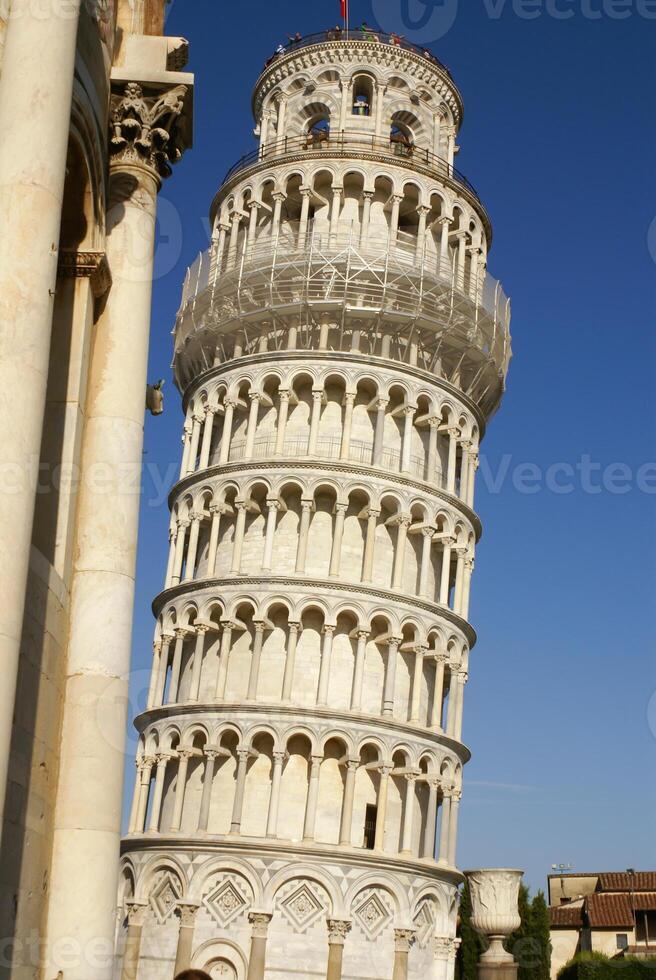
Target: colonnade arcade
[[311, 655], [285, 782]]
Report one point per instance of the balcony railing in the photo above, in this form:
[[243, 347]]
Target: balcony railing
[[351, 144], [337, 34]]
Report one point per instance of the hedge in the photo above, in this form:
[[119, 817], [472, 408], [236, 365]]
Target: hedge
[[594, 966]]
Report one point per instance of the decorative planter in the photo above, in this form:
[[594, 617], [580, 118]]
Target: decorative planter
[[494, 897]]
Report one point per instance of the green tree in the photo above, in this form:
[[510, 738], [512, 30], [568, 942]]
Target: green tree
[[472, 944], [541, 934]]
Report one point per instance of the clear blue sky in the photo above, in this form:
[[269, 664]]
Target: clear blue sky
[[559, 140]]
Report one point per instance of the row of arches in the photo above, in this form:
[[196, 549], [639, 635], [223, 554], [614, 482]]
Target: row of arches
[[328, 416], [219, 916], [310, 659], [332, 206], [317, 532], [288, 786]]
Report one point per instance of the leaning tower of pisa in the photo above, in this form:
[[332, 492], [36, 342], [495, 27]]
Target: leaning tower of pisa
[[339, 350]]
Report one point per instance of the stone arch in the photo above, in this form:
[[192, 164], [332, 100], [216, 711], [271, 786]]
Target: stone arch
[[305, 872]]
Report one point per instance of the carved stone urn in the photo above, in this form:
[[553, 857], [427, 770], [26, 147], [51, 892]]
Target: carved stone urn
[[494, 897]]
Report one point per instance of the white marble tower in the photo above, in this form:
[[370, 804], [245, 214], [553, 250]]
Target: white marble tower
[[339, 350]]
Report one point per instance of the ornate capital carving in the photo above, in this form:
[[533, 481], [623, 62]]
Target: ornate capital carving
[[260, 923], [338, 930], [187, 913], [135, 913], [85, 265], [403, 939], [149, 129]]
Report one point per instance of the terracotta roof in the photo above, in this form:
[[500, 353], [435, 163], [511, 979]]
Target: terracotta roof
[[620, 881], [608, 910], [644, 901], [566, 916]]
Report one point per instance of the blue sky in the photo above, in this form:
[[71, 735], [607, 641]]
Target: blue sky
[[560, 711]]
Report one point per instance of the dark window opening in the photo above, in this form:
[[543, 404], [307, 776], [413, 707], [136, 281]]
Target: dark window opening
[[370, 818]]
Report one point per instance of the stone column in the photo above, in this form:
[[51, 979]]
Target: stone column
[[35, 109], [154, 673], [305, 211], [240, 787], [274, 800], [427, 544], [334, 213], [338, 930], [379, 433], [390, 676], [453, 827], [336, 550], [290, 661], [381, 815], [180, 788], [195, 439], [460, 261], [206, 796], [272, 512], [317, 398], [452, 709], [173, 533], [406, 450], [399, 556], [256, 658], [346, 822], [144, 791], [192, 550], [438, 693], [324, 670], [417, 677], [224, 654], [167, 639], [422, 211], [445, 575], [252, 423], [345, 88], [444, 828], [130, 965], [153, 825], [87, 818], [235, 219], [186, 443], [238, 543], [445, 265], [368, 197], [358, 671], [226, 434], [202, 629], [303, 534], [349, 403], [260, 930], [471, 486], [403, 940], [312, 798], [460, 689], [134, 809], [282, 421], [454, 433], [253, 207], [394, 218], [433, 424], [185, 937], [278, 199], [408, 820], [460, 578], [180, 635], [370, 545], [216, 511], [466, 587], [431, 820], [206, 445], [180, 541]]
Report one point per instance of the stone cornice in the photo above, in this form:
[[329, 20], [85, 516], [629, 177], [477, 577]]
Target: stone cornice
[[325, 466], [344, 718], [326, 586], [359, 52], [252, 847], [347, 357]]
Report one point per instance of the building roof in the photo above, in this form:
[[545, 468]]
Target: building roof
[[621, 881], [608, 910], [566, 916]]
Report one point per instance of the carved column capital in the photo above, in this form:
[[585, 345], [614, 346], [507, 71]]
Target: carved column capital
[[338, 930], [135, 913], [187, 912], [403, 939], [149, 127], [260, 923]]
